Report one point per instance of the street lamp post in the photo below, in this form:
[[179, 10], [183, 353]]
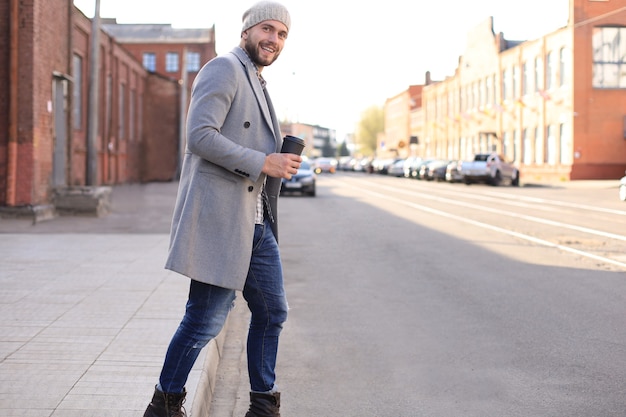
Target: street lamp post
[[92, 114]]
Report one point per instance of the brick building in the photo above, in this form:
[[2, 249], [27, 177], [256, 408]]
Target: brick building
[[166, 50], [34, 72], [403, 124], [556, 106], [44, 105]]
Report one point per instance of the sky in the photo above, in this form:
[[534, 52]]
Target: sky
[[342, 57]]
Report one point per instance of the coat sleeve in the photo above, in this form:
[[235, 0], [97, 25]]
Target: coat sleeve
[[216, 93]]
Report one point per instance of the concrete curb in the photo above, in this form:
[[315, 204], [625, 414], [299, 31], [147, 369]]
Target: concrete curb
[[203, 393]]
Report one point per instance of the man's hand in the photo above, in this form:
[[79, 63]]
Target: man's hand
[[281, 165]]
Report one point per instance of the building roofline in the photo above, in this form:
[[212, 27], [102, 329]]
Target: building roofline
[[161, 33]]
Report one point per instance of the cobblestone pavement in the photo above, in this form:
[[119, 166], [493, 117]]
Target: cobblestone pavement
[[88, 310]]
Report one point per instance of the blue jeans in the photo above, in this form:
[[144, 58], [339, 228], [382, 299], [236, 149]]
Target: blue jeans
[[207, 309]]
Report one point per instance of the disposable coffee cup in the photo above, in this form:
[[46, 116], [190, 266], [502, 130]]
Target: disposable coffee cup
[[292, 144]]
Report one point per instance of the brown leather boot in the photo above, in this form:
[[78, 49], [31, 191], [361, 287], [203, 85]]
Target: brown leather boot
[[166, 405], [264, 405]]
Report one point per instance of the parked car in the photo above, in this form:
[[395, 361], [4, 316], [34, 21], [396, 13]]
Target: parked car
[[302, 182], [345, 163], [381, 165], [489, 168], [422, 172], [436, 170], [415, 169], [411, 165], [622, 189], [396, 169], [321, 165], [361, 165], [453, 171]]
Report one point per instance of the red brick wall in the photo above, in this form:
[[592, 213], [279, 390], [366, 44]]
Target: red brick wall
[[4, 94], [123, 147], [81, 32], [599, 113], [51, 47], [43, 40], [161, 127], [51, 32], [206, 51], [23, 180]]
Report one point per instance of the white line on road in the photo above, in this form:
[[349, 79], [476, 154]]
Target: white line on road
[[558, 203], [487, 226], [507, 213]]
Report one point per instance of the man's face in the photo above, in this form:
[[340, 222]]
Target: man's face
[[264, 41]]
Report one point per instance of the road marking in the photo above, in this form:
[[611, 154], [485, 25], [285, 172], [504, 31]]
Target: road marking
[[514, 215], [559, 203], [488, 226]]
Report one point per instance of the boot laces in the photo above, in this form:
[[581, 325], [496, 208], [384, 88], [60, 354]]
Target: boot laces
[[175, 408]]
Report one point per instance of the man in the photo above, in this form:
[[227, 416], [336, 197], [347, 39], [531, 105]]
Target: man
[[224, 227]]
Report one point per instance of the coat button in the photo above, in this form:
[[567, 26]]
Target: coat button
[[246, 125], [250, 188]]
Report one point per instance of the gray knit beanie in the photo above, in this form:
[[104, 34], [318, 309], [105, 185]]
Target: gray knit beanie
[[265, 10]]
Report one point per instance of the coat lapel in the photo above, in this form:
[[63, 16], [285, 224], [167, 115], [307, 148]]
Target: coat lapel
[[261, 96]]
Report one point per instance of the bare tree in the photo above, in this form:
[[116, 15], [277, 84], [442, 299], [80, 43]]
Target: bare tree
[[371, 124]]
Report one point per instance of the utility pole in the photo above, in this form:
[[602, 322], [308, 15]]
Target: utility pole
[[92, 110], [182, 131]]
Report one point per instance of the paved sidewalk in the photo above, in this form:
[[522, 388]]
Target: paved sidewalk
[[88, 310]]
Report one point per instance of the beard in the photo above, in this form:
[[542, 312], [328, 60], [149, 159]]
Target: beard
[[252, 49]]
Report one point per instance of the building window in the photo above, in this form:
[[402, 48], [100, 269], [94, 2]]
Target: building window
[[527, 148], [171, 62], [550, 148], [504, 84], [537, 73], [149, 61], [505, 144], [515, 81], [562, 67], [77, 105], [609, 57], [140, 116], [516, 144], [193, 62], [566, 153], [549, 70], [525, 76], [475, 99], [131, 116], [487, 91], [460, 99], [109, 92], [121, 112], [538, 147]]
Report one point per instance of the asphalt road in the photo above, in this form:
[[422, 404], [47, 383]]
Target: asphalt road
[[413, 299]]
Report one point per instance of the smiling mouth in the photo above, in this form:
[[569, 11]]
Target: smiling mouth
[[268, 49]]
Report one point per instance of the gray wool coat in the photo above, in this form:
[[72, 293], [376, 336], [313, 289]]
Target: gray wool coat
[[231, 127]]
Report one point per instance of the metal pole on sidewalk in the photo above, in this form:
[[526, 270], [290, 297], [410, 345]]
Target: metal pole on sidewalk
[[182, 132], [94, 87]]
